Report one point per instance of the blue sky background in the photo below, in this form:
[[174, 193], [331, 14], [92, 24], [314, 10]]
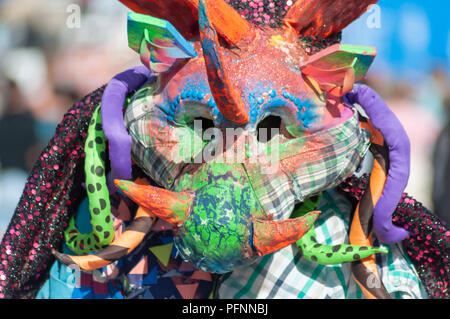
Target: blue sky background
[[413, 36]]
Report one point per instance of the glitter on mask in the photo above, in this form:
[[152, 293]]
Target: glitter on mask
[[262, 12]]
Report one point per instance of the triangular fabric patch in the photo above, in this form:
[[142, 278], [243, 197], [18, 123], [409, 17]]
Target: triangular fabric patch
[[124, 212], [148, 294], [141, 267], [162, 253], [201, 275], [187, 291], [151, 278]]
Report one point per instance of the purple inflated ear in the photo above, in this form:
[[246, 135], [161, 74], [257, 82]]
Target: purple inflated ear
[[112, 117], [384, 120]]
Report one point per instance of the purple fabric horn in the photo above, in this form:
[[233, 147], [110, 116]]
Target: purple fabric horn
[[112, 117], [384, 120]]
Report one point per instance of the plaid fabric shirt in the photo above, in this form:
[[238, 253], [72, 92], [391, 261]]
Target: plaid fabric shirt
[[327, 158], [286, 275]]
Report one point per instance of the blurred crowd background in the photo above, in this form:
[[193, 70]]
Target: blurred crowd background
[[49, 59]]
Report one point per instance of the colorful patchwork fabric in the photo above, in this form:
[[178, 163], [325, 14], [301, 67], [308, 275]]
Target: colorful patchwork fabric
[[152, 270], [286, 274]]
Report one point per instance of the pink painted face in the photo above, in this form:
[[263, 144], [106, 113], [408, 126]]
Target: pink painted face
[[233, 208], [267, 76]]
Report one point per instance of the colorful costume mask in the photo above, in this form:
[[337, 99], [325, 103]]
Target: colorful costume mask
[[233, 200]]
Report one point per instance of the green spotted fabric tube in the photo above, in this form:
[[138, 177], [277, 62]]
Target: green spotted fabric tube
[[333, 254], [98, 195], [329, 254]]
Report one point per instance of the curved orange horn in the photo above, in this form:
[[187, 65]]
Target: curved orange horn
[[324, 17], [226, 96], [270, 236], [171, 206]]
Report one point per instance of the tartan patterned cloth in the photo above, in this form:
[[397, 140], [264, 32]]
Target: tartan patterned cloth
[[141, 115], [286, 275]]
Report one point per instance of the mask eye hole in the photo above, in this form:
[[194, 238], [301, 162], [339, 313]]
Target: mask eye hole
[[268, 128], [206, 123]]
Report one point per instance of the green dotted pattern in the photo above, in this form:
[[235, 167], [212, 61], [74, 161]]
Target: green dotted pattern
[[329, 254], [98, 195], [333, 254]]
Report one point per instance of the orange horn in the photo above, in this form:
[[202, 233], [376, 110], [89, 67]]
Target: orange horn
[[171, 206], [226, 96], [270, 236], [324, 17]]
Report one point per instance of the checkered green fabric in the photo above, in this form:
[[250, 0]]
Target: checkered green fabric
[[286, 275], [139, 115]]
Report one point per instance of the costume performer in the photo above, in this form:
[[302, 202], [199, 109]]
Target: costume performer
[[123, 203]]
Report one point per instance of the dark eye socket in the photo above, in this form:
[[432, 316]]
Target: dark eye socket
[[206, 123], [267, 124]]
